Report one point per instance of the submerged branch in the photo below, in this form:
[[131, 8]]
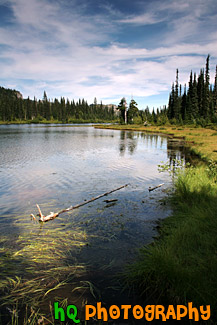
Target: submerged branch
[[153, 188], [53, 215]]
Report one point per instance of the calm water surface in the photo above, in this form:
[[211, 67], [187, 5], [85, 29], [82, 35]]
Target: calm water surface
[[60, 166]]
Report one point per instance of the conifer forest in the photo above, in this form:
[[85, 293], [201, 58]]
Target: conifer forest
[[195, 103]]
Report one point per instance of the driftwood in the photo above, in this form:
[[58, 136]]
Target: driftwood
[[109, 201], [153, 188], [53, 215]]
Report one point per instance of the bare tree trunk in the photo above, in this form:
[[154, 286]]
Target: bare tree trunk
[[125, 116]]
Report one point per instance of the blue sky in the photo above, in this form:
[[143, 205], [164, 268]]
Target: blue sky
[[105, 48]]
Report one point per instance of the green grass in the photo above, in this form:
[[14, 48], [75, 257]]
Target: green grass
[[181, 265]]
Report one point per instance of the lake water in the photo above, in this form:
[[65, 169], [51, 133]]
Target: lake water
[[57, 166]]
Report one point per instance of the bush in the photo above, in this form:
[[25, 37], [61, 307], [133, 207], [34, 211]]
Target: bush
[[137, 120]]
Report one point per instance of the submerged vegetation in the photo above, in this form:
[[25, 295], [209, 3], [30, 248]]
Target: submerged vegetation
[[47, 263], [181, 265], [32, 270]]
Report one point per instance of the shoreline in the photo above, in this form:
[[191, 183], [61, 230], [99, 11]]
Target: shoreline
[[202, 141], [175, 267], [54, 122]]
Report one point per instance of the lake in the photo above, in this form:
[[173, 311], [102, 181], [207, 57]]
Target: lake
[[79, 253]]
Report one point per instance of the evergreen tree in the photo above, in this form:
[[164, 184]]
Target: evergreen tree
[[200, 92], [68, 107], [34, 108], [194, 99], [171, 113], [199, 103], [46, 107], [215, 93], [206, 96], [28, 109], [63, 109], [184, 104], [132, 112], [189, 99], [176, 100], [154, 116], [123, 110]]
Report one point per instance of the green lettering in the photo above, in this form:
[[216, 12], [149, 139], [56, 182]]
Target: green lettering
[[74, 314], [59, 310]]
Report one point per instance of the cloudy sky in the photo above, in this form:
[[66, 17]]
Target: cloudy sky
[[105, 48]]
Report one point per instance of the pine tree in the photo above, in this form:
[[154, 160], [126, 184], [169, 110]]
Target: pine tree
[[215, 93], [28, 109], [171, 103], [154, 116], [68, 106], [200, 92], [46, 107], [123, 110], [189, 99], [177, 102], [184, 104], [63, 109], [34, 108], [194, 99], [133, 111], [206, 96]]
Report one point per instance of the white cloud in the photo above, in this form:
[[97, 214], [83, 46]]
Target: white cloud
[[144, 19], [62, 51]]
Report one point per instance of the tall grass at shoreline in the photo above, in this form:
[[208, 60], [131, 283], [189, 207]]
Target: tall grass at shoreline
[[181, 265]]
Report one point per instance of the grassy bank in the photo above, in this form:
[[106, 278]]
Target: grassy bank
[[181, 265], [203, 141]]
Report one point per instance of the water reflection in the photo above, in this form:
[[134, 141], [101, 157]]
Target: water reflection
[[128, 140], [61, 166]]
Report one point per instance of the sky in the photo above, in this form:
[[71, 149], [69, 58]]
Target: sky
[[106, 49]]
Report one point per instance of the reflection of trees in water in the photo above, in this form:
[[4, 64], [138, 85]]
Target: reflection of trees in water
[[176, 150], [128, 140], [153, 140]]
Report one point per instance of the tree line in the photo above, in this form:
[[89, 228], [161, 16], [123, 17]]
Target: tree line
[[132, 115], [14, 108], [198, 103], [195, 105]]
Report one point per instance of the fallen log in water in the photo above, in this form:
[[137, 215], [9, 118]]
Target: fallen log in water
[[153, 188], [53, 215], [110, 201]]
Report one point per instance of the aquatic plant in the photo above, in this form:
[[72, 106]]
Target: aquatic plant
[[33, 267]]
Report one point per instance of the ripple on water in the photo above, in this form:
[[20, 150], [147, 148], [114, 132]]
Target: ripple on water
[[59, 166]]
